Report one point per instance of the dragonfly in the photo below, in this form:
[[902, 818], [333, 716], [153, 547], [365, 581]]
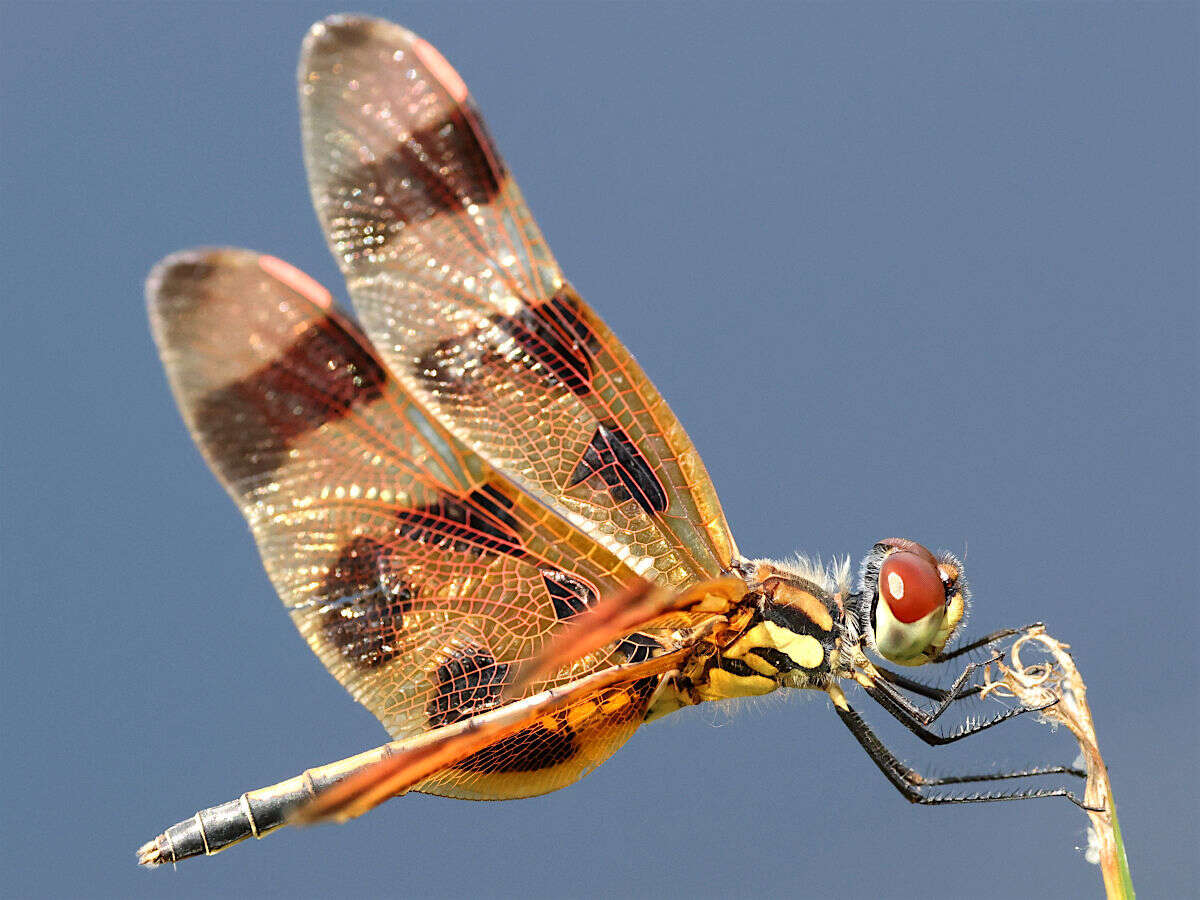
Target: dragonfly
[[479, 512]]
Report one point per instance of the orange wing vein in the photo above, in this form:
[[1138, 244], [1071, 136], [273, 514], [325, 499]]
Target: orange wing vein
[[427, 755], [463, 299], [418, 575]]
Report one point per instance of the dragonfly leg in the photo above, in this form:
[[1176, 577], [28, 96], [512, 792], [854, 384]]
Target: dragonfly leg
[[913, 785], [922, 689], [915, 719], [983, 642], [955, 692]]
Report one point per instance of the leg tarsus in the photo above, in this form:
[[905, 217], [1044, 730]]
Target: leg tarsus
[[924, 690], [954, 693], [984, 641], [916, 720], [911, 783]]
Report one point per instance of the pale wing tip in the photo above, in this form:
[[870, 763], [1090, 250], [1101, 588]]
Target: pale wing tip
[[336, 34], [343, 31], [175, 278], [194, 263], [189, 267], [165, 277]]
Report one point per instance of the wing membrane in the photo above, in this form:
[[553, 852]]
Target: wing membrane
[[418, 575], [464, 300], [435, 753]]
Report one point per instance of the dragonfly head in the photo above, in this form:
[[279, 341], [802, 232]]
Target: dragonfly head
[[913, 601]]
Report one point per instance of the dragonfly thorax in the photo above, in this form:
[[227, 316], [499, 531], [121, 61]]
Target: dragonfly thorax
[[788, 631], [804, 625]]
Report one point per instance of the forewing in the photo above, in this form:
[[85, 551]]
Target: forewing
[[418, 575], [459, 292]]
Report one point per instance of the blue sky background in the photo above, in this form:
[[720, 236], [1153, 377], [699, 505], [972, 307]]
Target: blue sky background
[[922, 270]]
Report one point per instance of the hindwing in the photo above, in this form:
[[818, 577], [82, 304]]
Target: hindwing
[[418, 575]]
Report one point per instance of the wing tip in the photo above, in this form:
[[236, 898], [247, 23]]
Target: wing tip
[[193, 265], [197, 264], [337, 33], [342, 31]]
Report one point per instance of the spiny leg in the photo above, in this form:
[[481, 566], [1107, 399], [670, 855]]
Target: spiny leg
[[922, 689], [983, 642], [883, 691], [955, 693], [911, 717], [910, 782], [947, 697]]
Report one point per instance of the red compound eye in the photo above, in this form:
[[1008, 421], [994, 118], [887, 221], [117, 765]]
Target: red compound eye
[[910, 586]]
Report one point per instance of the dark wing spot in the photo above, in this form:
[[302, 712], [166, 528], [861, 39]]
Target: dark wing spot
[[477, 523], [643, 690], [439, 170], [467, 683], [638, 647], [249, 424], [555, 335], [529, 750], [617, 460], [496, 505], [363, 616], [552, 334], [537, 747], [448, 167], [570, 595], [443, 367]]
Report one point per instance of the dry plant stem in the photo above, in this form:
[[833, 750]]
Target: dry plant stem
[[1041, 683]]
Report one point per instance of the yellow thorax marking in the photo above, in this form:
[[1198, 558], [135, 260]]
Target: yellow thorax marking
[[838, 698], [722, 685], [803, 649]]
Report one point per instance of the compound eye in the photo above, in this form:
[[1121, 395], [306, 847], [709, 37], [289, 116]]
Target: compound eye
[[910, 586]]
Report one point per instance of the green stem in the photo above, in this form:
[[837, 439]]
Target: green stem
[[1118, 885]]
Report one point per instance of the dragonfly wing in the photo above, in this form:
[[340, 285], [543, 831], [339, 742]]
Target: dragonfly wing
[[417, 574], [452, 749], [460, 293]]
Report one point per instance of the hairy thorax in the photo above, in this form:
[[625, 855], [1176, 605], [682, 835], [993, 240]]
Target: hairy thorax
[[790, 630]]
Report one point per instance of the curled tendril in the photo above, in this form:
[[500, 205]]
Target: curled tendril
[[1056, 680]]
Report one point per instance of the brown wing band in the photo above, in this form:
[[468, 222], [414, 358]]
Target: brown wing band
[[411, 762]]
